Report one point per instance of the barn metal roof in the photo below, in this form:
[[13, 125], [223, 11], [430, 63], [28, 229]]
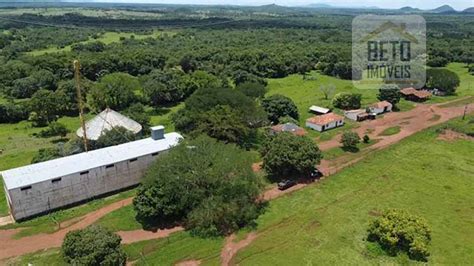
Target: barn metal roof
[[35, 173], [319, 109], [107, 120]]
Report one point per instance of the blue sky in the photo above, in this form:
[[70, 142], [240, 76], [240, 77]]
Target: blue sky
[[423, 4]]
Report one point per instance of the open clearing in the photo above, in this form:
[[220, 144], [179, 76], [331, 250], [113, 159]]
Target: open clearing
[[327, 222], [342, 205], [106, 38]]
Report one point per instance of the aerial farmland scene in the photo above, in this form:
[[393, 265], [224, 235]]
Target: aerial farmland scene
[[217, 132]]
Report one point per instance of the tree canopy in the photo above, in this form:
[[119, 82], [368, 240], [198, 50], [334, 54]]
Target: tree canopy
[[442, 79], [347, 100], [389, 93], [116, 91], [223, 113], [92, 246], [287, 155], [278, 106], [204, 184]]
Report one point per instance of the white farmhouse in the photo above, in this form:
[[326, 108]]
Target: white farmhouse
[[40, 188], [324, 122]]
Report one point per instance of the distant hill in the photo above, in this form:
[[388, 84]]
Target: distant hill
[[409, 9], [319, 5], [444, 9], [469, 10]]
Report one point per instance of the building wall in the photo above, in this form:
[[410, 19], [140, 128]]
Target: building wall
[[314, 126], [52, 194], [380, 110], [351, 115], [326, 127]]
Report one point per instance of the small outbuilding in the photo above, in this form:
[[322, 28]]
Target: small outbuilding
[[288, 127], [319, 110], [380, 107], [107, 120], [357, 115], [412, 94], [325, 122]]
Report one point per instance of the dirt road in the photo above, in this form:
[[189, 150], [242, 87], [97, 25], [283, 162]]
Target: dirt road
[[417, 119]]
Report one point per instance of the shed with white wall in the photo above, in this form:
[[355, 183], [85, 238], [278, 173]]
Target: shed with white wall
[[43, 187]]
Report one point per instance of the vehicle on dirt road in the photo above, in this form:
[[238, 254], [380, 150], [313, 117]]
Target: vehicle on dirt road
[[286, 184]]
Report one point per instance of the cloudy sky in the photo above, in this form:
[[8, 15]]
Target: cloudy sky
[[423, 4]]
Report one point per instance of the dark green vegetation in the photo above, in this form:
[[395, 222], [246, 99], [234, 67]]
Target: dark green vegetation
[[399, 231], [278, 106], [288, 156], [93, 245], [347, 101], [349, 140], [207, 185], [389, 93], [221, 112], [444, 80]]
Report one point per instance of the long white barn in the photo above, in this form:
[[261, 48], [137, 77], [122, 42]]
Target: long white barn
[[40, 188]]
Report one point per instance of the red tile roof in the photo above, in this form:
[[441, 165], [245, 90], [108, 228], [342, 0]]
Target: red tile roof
[[324, 119], [408, 91], [381, 104], [418, 93]]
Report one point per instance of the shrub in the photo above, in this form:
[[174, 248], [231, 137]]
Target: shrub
[[349, 140], [12, 113], [287, 154], [93, 245], [347, 101], [399, 231], [114, 136], [54, 129], [366, 138]]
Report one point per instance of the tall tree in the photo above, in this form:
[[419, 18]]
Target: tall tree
[[278, 106], [389, 93], [287, 155], [116, 91]]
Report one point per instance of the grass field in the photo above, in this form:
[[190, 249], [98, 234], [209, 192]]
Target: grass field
[[326, 223], [91, 12], [178, 247], [20, 146], [306, 92], [466, 87], [107, 38], [49, 223], [390, 131]]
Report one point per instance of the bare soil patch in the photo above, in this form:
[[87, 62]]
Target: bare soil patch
[[450, 135]]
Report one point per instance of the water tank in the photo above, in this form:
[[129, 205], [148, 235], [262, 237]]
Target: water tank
[[158, 132]]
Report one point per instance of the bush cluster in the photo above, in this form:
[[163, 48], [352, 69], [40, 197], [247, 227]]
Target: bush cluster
[[399, 231]]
